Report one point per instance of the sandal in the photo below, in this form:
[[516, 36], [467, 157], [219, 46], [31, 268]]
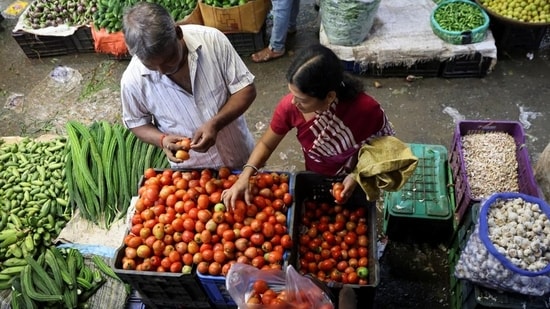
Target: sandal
[[267, 54]]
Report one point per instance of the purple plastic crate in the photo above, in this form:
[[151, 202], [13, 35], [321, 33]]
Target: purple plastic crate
[[526, 180]]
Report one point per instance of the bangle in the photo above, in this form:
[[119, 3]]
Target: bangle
[[162, 140], [251, 166]]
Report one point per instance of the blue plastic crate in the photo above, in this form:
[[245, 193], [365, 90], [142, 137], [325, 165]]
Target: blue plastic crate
[[214, 286]]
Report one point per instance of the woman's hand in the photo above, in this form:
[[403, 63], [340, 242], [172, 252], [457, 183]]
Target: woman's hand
[[237, 190], [349, 186]]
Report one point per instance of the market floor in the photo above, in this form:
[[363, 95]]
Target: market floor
[[413, 274]]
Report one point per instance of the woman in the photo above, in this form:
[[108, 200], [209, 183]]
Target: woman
[[333, 117]]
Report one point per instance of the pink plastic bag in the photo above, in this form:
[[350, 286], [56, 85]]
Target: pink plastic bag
[[292, 289]]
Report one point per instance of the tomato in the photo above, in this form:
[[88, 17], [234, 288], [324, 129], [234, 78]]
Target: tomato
[[268, 230], [129, 264], [177, 225], [149, 173], [335, 275], [224, 172], [214, 269], [134, 241], [257, 239], [228, 235], [219, 256], [143, 251], [278, 204], [274, 257], [350, 238], [221, 228], [187, 258], [337, 189], [260, 286], [361, 229], [286, 241], [203, 201], [353, 278]]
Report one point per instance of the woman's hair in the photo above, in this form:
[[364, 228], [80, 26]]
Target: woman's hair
[[316, 70], [148, 29]]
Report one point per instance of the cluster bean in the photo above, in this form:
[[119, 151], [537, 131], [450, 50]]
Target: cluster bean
[[491, 163], [459, 16]]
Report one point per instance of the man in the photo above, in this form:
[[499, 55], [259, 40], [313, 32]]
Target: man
[[185, 81]]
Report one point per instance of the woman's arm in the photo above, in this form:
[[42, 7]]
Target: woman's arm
[[259, 156]]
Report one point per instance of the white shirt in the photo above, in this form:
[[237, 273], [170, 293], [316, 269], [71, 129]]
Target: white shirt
[[216, 71]]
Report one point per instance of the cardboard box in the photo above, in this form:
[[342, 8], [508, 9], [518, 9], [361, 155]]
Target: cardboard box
[[248, 17]]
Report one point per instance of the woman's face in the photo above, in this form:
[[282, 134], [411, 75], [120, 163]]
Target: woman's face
[[307, 104], [169, 61]]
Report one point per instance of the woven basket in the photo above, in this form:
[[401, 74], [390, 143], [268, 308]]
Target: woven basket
[[464, 37]]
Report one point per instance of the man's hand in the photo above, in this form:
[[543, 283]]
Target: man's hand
[[171, 145], [204, 137]]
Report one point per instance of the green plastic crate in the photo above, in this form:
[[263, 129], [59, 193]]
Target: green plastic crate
[[424, 207]]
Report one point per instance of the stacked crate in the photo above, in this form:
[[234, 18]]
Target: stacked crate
[[465, 294]]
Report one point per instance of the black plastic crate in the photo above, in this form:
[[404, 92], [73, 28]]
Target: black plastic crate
[[247, 43], [514, 37], [466, 66], [83, 40], [421, 69], [134, 301], [311, 186], [163, 290], [37, 46]]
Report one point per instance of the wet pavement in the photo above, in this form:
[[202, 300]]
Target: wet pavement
[[414, 274]]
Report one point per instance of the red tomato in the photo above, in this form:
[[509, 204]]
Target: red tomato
[[260, 286]]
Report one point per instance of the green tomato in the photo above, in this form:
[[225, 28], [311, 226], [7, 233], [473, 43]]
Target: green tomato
[[362, 272], [186, 269], [219, 207]]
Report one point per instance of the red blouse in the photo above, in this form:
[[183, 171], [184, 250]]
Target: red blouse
[[333, 136]]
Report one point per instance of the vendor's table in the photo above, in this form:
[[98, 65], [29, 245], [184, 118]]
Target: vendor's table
[[402, 37]]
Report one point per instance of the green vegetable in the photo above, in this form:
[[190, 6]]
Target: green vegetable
[[459, 16]]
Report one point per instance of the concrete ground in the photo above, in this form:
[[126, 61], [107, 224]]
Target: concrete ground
[[413, 274]]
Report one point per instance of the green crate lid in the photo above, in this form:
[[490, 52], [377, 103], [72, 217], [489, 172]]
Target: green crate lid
[[426, 193]]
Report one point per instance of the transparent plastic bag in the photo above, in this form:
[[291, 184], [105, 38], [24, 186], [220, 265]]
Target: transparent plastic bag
[[295, 290], [348, 22], [481, 262]]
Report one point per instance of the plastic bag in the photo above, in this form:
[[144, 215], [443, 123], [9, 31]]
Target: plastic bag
[[296, 290], [495, 263], [348, 22]]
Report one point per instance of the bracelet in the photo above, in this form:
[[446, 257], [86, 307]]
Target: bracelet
[[162, 140], [251, 166]]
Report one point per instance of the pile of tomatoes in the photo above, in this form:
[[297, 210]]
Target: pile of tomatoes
[[334, 242], [273, 298], [179, 221]]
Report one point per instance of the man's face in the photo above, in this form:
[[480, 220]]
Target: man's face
[[169, 61]]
